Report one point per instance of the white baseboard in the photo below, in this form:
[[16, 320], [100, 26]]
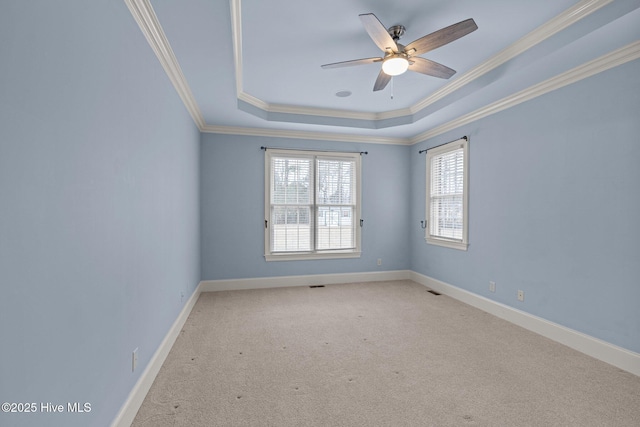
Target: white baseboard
[[138, 393], [602, 350], [307, 280], [594, 347]]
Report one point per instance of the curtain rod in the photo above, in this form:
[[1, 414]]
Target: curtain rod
[[431, 148], [321, 151]]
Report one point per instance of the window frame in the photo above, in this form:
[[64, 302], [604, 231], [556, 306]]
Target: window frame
[[313, 253], [462, 244]]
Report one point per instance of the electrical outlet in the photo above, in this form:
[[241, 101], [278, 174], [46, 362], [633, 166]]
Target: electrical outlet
[[492, 286], [379, 261], [520, 295], [134, 360]]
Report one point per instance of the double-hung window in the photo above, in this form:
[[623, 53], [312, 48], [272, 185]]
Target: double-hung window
[[312, 205], [448, 195]]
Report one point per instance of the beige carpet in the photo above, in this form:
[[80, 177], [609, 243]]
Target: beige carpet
[[375, 354]]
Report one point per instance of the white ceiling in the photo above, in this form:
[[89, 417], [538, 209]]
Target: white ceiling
[[253, 66]]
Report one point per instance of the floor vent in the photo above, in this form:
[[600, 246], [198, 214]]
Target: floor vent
[[316, 286], [431, 291]]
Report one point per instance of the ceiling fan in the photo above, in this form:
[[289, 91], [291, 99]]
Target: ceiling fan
[[398, 58]]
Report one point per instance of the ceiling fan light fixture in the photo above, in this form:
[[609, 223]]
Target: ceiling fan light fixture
[[395, 65]]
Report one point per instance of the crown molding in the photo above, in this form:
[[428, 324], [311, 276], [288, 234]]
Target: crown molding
[[605, 62], [236, 34], [145, 17], [553, 26], [147, 20], [320, 136], [290, 109], [322, 112], [617, 57]]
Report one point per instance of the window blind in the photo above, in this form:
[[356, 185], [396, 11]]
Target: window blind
[[335, 204], [291, 204], [447, 195], [313, 202]]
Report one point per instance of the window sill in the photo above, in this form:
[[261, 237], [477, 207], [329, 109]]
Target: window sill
[[462, 246], [311, 256]]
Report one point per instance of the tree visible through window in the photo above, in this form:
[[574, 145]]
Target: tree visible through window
[[312, 204]]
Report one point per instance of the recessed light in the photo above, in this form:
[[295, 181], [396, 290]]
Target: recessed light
[[343, 93]]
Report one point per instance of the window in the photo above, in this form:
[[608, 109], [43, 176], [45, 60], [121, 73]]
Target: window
[[447, 195], [312, 205]]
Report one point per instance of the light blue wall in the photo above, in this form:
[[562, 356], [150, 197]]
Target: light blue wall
[[99, 206], [554, 208], [110, 199], [232, 209], [543, 175]]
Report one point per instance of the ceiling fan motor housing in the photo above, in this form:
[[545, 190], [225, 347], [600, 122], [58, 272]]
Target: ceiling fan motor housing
[[396, 32]]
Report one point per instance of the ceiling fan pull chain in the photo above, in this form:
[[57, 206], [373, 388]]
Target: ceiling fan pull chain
[[392, 87]]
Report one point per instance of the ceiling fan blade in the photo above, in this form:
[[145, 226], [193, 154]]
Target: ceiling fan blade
[[352, 62], [382, 81], [441, 37], [430, 68], [378, 32]]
